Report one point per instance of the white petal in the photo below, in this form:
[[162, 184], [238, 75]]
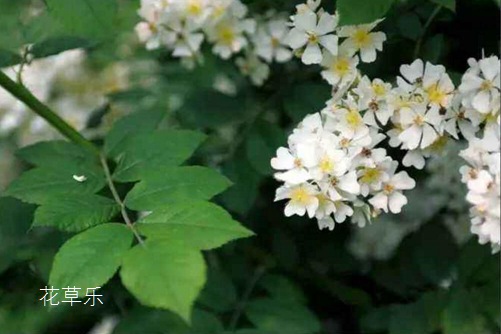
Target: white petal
[[296, 38], [294, 176], [330, 43], [326, 222], [306, 21], [284, 160], [380, 201], [481, 101], [312, 54], [413, 71], [429, 136], [368, 55], [326, 24], [414, 158], [403, 181], [396, 201], [349, 183], [411, 136]]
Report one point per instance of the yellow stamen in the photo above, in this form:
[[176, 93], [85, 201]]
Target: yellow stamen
[[362, 38], [370, 175]]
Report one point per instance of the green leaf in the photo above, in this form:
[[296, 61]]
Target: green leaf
[[200, 224], [50, 154], [91, 258], [461, 315], [163, 274], [85, 18], [449, 4], [280, 287], [433, 48], [435, 260], [55, 45], [410, 26], [142, 122], [408, 319], [219, 294], [164, 186], [304, 99], [146, 152], [75, 213], [241, 196], [222, 109], [472, 256], [362, 11], [8, 58], [261, 145], [280, 316], [376, 320], [39, 185]]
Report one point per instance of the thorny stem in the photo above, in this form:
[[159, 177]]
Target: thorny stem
[[435, 12], [25, 96], [118, 200], [259, 272]]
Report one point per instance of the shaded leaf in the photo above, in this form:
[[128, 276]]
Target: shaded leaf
[[167, 185], [362, 11], [75, 213], [146, 152], [91, 258], [39, 185], [167, 275], [142, 122], [86, 18], [200, 224], [279, 316]]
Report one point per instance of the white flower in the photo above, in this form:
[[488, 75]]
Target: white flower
[[254, 68], [228, 36], [339, 70], [302, 199], [361, 38], [312, 31], [391, 198], [374, 97], [481, 85], [295, 166], [421, 126], [270, 41]]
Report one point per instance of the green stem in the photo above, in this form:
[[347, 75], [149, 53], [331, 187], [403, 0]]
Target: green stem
[[435, 12], [245, 297], [25, 96]]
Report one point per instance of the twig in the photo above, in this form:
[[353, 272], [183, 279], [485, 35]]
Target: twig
[[118, 200], [259, 272], [417, 49], [25, 96]]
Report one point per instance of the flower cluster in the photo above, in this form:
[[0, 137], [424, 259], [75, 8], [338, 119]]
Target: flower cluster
[[332, 169], [479, 93], [312, 34], [63, 82], [183, 25]]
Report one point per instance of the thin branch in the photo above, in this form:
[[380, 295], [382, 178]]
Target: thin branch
[[435, 12], [25, 96], [118, 200], [245, 297]]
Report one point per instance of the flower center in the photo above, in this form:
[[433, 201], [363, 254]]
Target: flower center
[[226, 34], [326, 165], [362, 38], [341, 66], [194, 7], [486, 85], [275, 42], [300, 195], [312, 37], [388, 189], [370, 175], [435, 95], [419, 120], [298, 163], [353, 118]]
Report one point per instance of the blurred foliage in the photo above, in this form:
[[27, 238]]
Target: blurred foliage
[[292, 278]]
